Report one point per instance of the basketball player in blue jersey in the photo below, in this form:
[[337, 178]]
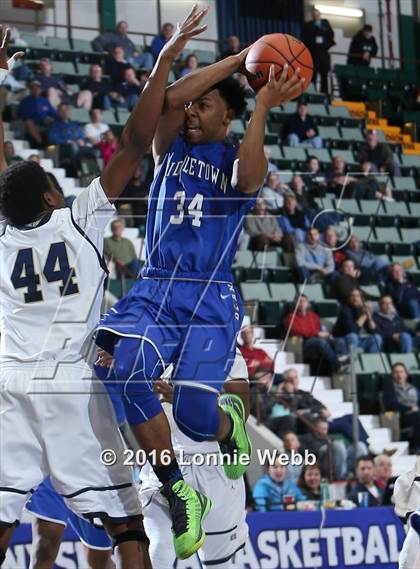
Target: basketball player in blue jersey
[[184, 309]]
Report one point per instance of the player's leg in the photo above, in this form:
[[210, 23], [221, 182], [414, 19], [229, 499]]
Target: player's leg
[[410, 550], [97, 559], [130, 544], [6, 533], [46, 541]]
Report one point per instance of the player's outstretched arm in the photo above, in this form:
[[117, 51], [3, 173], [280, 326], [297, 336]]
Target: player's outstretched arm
[[250, 167], [138, 133], [5, 66], [185, 90]]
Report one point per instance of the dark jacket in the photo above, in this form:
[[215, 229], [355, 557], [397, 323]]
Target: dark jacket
[[295, 125], [343, 285], [372, 501], [386, 327], [393, 403], [359, 44], [381, 155], [402, 293], [346, 322], [319, 37]]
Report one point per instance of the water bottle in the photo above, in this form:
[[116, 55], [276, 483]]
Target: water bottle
[[325, 491]]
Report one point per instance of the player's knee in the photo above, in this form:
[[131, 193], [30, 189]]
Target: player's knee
[[196, 413], [97, 559], [46, 551]]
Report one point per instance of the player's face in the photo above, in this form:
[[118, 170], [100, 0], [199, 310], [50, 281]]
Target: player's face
[[207, 119]]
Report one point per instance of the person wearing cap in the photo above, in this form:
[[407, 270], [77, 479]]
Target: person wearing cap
[[363, 47], [378, 154], [300, 128], [36, 111], [318, 36]]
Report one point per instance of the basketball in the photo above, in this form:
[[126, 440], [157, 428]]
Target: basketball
[[278, 49]]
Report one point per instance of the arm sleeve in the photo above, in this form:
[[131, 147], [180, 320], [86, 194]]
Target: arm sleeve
[[91, 211]]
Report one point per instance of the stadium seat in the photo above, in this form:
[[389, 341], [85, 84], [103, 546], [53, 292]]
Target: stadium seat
[[79, 115], [275, 153], [409, 360], [64, 67], [283, 292], [237, 127], [339, 112], [327, 308], [372, 207], [33, 40], [349, 206], [243, 259], [352, 134], [404, 183], [410, 235], [329, 132], [410, 160], [82, 45], [250, 104], [371, 290], [314, 292], [415, 209], [396, 208], [204, 56], [269, 313], [322, 154], [346, 155], [59, 44], [294, 153], [317, 110], [83, 68], [375, 363], [387, 234], [265, 259], [255, 291]]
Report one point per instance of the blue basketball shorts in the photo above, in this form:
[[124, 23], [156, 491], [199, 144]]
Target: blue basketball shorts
[[190, 324], [46, 504]]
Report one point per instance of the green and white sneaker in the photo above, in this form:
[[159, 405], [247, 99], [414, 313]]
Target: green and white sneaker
[[188, 508], [238, 447]]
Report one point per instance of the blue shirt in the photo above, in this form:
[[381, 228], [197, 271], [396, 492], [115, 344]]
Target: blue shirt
[[194, 215], [268, 495], [37, 109], [59, 132], [157, 46]]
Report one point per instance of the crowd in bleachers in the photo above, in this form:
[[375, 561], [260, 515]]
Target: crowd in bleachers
[[337, 218]]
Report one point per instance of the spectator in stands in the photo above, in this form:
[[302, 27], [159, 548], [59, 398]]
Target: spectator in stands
[[273, 192], [271, 166], [108, 146], [121, 251], [37, 112], [191, 64], [291, 445], [233, 47], [394, 332], [370, 265], [300, 128], [346, 280], [115, 66], [94, 90], [52, 84], [95, 129], [160, 40], [136, 193], [292, 220], [303, 197], [378, 154], [259, 364], [320, 350], [338, 179], [263, 228], [272, 487], [313, 177], [368, 187], [10, 154], [318, 442], [310, 481], [363, 47], [330, 240], [404, 397], [107, 41], [70, 138], [318, 36], [127, 93], [403, 291], [313, 260], [35, 158], [383, 470], [355, 317], [365, 474]]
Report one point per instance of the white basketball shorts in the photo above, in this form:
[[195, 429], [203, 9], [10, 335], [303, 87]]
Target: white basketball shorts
[[56, 420]]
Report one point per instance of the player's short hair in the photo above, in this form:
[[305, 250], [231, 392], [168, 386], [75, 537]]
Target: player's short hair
[[22, 186], [233, 93]]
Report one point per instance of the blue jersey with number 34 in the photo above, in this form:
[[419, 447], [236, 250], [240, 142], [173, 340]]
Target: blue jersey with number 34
[[195, 216]]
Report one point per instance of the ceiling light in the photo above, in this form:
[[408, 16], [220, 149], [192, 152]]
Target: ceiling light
[[339, 11]]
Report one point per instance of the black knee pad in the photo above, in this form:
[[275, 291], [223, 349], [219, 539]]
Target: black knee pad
[[130, 535], [2, 556]]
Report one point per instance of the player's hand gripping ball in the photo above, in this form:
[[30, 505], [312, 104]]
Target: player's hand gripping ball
[[278, 49]]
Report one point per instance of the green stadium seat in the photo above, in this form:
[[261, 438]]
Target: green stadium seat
[[289, 108], [322, 154], [205, 56], [346, 155], [404, 183], [83, 68], [237, 126], [316, 110], [275, 153], [59, 44], [243, 259], [349, 206], [371, 290], [415, 209], [109, 117], [325, 203], [280, 275], [79, 115], [372, 207], [255, 291], [352, 134], [402, 258], [364, 233], [410, 160], [386, 74], [266, 259], [396, 208], [283, 292], [345, 71], [410, 235], [33, 40], [314, 292], [409, 360], [329, 132], [339, 112], [82, 45], [375, 363], [250, 104], [64, 67], [269, 313], [294, 153], [387, 234]]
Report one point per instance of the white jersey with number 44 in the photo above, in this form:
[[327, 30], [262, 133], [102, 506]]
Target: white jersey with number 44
[[52, 280]]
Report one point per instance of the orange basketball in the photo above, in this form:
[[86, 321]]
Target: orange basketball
[[278, 49]]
